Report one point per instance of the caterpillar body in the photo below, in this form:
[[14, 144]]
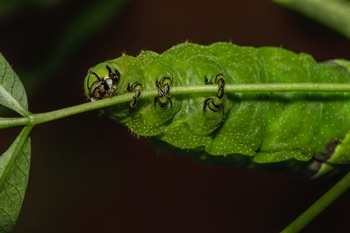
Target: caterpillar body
[[303, 133]]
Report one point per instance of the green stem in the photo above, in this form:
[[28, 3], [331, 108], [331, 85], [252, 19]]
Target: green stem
[[35, 119], [261, 87], [319, 206], [332, 13]]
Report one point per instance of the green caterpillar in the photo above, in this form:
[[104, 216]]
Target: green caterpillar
[[303, 133]]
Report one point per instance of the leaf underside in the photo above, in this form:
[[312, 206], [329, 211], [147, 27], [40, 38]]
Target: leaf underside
[[15, 161]]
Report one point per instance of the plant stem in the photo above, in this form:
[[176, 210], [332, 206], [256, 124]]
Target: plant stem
[[230, 88], [319, 206], [35, 119]]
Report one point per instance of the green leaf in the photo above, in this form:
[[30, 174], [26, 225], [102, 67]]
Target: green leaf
[[12, 93], [14, 172], [15, 162]]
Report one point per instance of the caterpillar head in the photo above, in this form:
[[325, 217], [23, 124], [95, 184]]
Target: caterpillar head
[[111, 78], [101, 81]]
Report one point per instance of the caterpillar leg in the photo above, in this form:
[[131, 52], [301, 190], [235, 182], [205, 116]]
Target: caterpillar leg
[[136, 88], [214, 103], [163, 86]]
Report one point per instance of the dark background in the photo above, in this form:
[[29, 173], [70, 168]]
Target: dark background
[[89, 174]]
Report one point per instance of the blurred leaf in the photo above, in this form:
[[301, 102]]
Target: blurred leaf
[[9, 8], [334, 14], [12, 93], [88, 22], [14, 172]]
